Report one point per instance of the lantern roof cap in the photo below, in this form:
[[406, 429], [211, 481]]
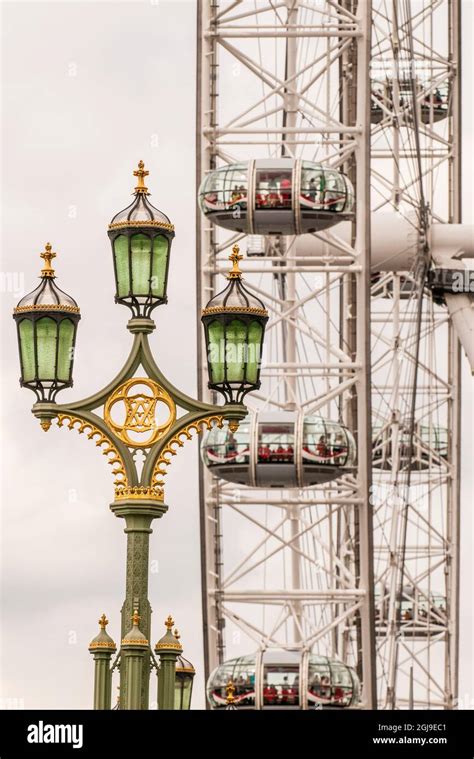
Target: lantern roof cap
[[141, 213], [135, 637], [47, 296], [184, 665], [102, 641], [235, 298], [169, 642]]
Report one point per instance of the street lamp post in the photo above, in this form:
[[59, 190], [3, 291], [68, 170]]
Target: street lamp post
[[140, 410], [168, 649], [102, 647]]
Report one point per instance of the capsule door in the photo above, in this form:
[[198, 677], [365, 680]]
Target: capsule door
[[281, 685]]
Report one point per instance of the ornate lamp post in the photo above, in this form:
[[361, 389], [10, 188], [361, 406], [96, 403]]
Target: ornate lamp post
[[140, 410]]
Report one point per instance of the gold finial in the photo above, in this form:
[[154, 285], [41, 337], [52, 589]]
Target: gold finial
[[235, 257], [45, 424], [169, 622], [47, 256], [141, 173], [176, 633], [229, 691], [136, 617], [233, 425], [103, 622]]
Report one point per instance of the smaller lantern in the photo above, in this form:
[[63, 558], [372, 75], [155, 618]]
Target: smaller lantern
[[47, 323], [234, 324], [141, 237], [184, 678]]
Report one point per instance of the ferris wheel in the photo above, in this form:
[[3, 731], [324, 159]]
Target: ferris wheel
[[330, 518], [415, 109]]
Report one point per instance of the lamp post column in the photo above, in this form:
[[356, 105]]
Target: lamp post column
[[168, 649], [102, 647], [135, 666], [138, 515]]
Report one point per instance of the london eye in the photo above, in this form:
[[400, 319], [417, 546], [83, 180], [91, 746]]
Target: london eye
[[328, 139]]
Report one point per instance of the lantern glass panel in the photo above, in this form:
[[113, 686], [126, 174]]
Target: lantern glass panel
[[182, 693], [27, 348], [253, 351], [140, 251], [66, 338], [160, 258], [215, 348], [121, 265], [236, 333], [46, 338]]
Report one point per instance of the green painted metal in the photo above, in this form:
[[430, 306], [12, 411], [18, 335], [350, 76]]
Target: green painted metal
[[134, 668], [102, 680], [102, 647], [167, 677], [168, 649], [138, 515], [140, 355]]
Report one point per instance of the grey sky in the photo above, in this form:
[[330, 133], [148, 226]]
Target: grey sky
[[89, 88]]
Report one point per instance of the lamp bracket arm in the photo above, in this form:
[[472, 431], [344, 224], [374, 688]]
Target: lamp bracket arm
[[95, 427], [99, 398], [181, 399], [161, 453]]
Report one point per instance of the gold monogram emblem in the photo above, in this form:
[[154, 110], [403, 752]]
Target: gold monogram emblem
[[140, 412]]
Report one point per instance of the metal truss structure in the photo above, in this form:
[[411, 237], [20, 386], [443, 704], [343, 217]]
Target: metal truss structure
[[326, 568], [415, 359]]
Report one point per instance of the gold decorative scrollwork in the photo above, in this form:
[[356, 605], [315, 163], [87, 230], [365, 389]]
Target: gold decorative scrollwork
[[164, 459], [115, 460], [139, 412]]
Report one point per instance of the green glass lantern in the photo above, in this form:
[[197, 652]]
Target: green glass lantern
[[183, 688], [141, 237], [46, 321], [234, 325]]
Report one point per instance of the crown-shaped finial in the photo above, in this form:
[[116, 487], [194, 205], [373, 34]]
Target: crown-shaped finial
[[47, 256], [141, 173], [235, 257], [103, 622], [169, 622]]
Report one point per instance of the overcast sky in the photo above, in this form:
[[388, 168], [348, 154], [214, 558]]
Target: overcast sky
[[88, 89]]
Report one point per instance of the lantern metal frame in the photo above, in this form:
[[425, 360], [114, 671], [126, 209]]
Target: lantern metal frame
[[47, 390], [184, 672], [235, 302], [32, 308], [141, 305], [155, 224]]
